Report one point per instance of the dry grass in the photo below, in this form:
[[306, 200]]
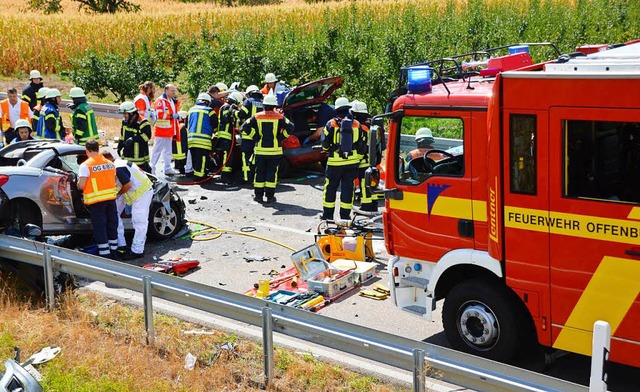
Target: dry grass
[[105, 351]]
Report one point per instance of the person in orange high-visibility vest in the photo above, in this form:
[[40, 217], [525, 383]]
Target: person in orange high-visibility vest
[[97, 179], [167, 127], [12, 109], [144, 102]]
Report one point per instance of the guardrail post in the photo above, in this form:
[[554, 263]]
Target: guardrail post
[[267, 345], [418, 370], [148, 309], [600, 356], [49, 291]]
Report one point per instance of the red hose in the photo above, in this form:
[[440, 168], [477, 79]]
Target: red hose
[[207, 178]]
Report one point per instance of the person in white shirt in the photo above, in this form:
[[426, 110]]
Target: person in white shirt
[[134, 189], [12, 109]]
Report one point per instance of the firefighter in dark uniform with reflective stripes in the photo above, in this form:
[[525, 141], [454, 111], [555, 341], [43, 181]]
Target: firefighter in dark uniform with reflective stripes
[[342, 141], [267, 129], [201, 124], [250, 106], [228, 124], [83, 119], [134, 137], [361, 114]]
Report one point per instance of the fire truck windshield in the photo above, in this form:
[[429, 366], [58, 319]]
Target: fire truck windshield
[[429, 146]]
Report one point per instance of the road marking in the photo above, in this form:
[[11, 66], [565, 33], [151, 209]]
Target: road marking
[[284, 228]]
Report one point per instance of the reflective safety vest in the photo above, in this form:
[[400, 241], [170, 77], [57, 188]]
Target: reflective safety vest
[[140, 182], [144, 108], [6, 121], [227, 121], [101, 184], [249, 108], [165, 125], [333, 138], [140, 133], [268, 129], [48, 112], [200, 127], [84, 112]]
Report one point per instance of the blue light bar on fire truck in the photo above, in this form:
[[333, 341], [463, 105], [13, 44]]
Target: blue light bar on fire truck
[[419, 79]]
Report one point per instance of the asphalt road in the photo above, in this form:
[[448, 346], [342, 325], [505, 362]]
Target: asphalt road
[[293, 220]]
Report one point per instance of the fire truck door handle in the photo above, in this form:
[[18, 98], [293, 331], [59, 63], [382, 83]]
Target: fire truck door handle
[[633, 252]]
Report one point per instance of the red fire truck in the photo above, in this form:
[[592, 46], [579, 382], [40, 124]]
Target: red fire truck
[[523, 213]]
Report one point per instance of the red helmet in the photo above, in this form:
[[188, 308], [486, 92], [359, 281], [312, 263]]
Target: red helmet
[[291, 142]]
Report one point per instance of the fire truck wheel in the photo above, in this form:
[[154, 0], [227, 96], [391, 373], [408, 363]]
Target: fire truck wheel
[[483, 318]]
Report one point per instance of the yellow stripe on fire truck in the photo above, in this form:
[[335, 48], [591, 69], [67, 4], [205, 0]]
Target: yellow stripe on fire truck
[[608, 296], [451, 207]]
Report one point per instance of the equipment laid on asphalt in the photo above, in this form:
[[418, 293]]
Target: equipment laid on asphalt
[[178, 266]]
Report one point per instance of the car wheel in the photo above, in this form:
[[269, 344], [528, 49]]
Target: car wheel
[[484, 319], [163, 223]]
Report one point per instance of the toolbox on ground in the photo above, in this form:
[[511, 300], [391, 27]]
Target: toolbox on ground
[[320, 276], [363, 270]]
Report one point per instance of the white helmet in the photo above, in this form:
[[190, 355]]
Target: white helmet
[[359, 107], [270, 100], [42, 92], [342, 102], [252, 89], [22, 123], [35, 74], [270, 78], [424, 136], [204, 97], [127, 107], [76, 92], [221, 86], [235, 97], [52, 93]]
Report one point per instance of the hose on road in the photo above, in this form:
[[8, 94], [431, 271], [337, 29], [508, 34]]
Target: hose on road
[[211, 233]]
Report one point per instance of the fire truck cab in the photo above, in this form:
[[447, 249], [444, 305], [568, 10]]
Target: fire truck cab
[[523, 212]]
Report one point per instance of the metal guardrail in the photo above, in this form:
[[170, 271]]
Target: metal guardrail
[[100, 109], [450, 366]]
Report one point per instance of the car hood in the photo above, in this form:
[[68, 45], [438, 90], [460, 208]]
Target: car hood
[[312, 92], [21, 171]]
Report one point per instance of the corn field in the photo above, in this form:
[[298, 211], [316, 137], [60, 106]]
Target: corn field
[[365, 41]]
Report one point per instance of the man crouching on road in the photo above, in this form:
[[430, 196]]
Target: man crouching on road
[[135, 189], [97, 179]]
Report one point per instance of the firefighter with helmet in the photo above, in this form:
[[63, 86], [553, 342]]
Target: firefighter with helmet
[[50, 122], [267, 129], [226, 133], [201, 125], [271, 83], [361, 114], [83, 119], [29, 94], [424, 141], [23, 131], [251, 105], [135, 133], [343, 141]]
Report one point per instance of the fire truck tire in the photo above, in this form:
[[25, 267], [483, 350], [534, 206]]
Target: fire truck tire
[[483, 318]]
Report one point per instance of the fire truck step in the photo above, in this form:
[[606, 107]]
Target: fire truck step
[[415, 309], [415, 282]]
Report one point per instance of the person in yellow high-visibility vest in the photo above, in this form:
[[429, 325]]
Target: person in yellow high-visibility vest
[[136, 190], [97, 179]]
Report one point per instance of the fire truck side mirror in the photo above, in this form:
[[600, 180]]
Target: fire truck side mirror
[[373, 142]]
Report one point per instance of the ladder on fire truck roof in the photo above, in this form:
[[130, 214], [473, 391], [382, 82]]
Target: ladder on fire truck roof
[[619, 60]]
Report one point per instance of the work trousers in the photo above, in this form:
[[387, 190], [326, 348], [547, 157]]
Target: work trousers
[[343, 177], [227, 170], [367, 203], [248, 165], [266, 176], [104, 219], [161, 148], [139, 220], [200, 161]]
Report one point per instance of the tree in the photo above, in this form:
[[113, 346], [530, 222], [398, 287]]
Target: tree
[[91, 6]]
